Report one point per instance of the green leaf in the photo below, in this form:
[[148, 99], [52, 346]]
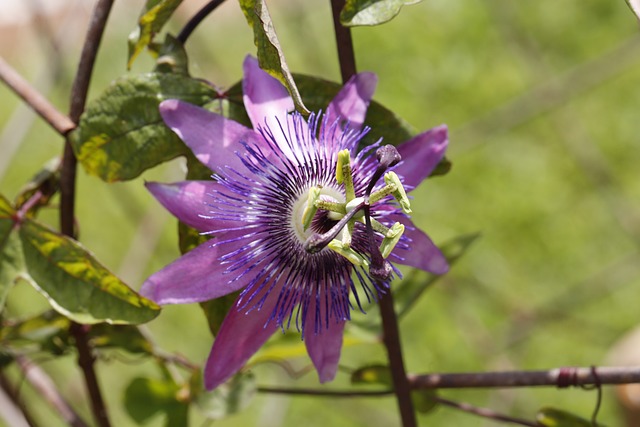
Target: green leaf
[[372, 374], [415, 285], [46, 181], [47, 332], [154, 15], [146, 397], [172, 58], [270, 55], [551, 417], [121, 134], [77, 285], [11, 259], [371, 12], [216, 310], [126, 337], [424, 400], [228, 399]]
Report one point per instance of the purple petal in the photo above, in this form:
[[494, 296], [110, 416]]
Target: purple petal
[[196, 276], [187, 201], [324, 347], [421, 154], [422, 253], [214, 139], [265, 98], [352, 101], [241, 335]]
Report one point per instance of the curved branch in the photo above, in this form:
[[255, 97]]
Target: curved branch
[[14, 81], [197, 19]]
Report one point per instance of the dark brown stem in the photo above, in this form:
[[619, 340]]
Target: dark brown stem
[[485, 413], [48, 391], [560, 377], [346, 54], [197, 19], [58, 121], [67, 193], [391, 340]]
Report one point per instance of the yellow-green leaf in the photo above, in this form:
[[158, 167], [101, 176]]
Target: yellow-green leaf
[[11, 260], [551, 417], [121, 133], [75, 283], [154, 15], [371, 12], [270, 55]]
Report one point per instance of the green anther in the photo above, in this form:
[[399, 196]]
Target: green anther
[[378, 226], [312, 208], [326, 205], [391, 239], [352, 256], [401, 196], [343, 174], [376, 196]]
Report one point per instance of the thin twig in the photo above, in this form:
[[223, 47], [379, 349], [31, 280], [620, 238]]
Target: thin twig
[[79, 91], [485, 412], [58, 121], [11, 393], [48, 391], [197, 19], [559, 377], [346, 55], [391, 339], [325, 393]]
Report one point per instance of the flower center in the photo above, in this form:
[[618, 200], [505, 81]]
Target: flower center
[[345, 214]]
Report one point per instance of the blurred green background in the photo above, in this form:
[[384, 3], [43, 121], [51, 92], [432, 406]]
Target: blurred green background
[[541, 100]]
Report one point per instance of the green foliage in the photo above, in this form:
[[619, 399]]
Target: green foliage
[[46, 181], [228, 399], [424, 400], [372, 374], [155, 14], [551, 417], [121, 133], [75, 283], [371, 12], [172, 58], [71, 279], [49, 333], [145, 397], [406, 295], [215, 310], [270, 55], [11, 259]]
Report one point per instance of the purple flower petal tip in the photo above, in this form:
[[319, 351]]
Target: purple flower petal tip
[[353, 99], [421, 154]]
